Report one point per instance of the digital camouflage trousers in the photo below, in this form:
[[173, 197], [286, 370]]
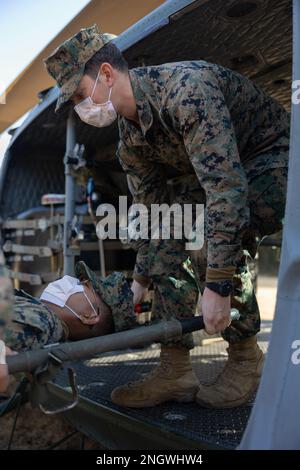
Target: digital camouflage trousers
[[179, 275]]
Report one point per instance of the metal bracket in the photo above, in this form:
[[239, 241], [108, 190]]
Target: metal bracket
[[42, 376], [75, 157]]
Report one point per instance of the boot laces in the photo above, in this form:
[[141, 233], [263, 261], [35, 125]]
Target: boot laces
[[229, 372], [157, 371]]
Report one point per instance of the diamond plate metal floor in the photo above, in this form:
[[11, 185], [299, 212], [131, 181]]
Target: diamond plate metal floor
[[219, 428]]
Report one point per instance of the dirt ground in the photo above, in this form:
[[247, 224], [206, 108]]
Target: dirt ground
[[36, 430]]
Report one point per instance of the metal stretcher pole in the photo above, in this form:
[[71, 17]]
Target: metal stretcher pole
[[70, 196], [72, 351]]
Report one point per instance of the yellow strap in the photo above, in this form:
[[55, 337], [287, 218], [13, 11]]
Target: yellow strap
[[143, 280], [220, 274]]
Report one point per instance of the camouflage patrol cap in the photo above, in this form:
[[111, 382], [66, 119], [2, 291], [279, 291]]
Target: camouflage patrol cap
[[115, 291], [67, 62]]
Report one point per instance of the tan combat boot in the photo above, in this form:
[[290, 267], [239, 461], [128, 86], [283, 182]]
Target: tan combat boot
[[239, 379], [172, 380]]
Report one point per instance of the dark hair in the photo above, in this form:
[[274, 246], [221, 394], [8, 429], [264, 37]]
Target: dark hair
[[109, 53]]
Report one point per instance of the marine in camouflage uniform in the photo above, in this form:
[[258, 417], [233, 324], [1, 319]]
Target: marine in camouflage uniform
[[32, 324], [26, 323], [227, 142], [206, 135]]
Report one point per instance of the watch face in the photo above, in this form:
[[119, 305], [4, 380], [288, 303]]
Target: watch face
[[227, 290], [223, 288]]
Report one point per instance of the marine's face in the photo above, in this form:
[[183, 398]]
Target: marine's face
[[85, 88], [110, 79]]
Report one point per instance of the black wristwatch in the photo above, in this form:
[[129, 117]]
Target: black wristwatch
[[223, 288]]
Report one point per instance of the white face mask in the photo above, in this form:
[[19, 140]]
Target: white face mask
[[99, 115], [59, 291]]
